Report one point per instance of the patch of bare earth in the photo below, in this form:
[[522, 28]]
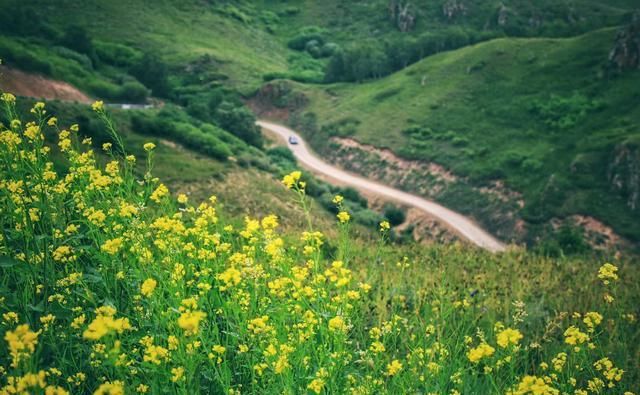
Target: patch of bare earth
[[33, 85], [597, 234]]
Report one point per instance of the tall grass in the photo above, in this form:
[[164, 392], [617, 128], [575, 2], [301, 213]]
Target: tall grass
[[110, 285]]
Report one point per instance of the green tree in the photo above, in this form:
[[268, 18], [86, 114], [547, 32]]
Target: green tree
[[154, 74]]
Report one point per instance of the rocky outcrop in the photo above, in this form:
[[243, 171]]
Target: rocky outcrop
[[453, 9], [277, 100], [625, 54], [624, 173], [402, 14], [503, 15]]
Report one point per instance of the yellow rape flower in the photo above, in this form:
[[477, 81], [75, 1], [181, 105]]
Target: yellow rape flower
[[508, 336], [384, 226], [110, 388], [393, 368], [483, 350], [112, 246], [8, 98], [182, 198], [105, 323], [377, 347], [592, 319], [98, 106], [533, 385], [607, 273], [177, 374], [343, 217], [291, 179], [148, 286], [21, 343], [190, 322], [574, 336], [337, 324], [160, 192], [316, 385], [149, 147]]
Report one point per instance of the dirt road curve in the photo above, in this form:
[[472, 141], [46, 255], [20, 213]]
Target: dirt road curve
[[457, 222]]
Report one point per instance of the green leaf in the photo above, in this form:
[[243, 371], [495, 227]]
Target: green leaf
[[7, 261], [39, 307]]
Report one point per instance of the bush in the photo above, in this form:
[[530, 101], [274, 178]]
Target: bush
[[282, 157], [154, 74], [133, 92], [198, 139], [342, 128], [76, 37], [70, 54], [240, 121], [352, 195], [23, 59], [562, 113], [118, 55], [104, 90], [194, 138], [395, 215], [308, 34], [368, 218]]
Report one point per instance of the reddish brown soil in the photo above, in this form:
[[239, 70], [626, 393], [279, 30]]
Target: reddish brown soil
[[33, 85]]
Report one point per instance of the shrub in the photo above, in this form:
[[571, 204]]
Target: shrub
[[308, 34], [368, 218], [395, 215], [78, 39], [154, 74], [118, 55], [22, 58], [70, 54], [199, 139], [240, 121], [104, 89], [562, 113], [133, 92]]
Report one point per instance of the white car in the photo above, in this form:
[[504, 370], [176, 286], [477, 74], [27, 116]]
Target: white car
[[293, 140]]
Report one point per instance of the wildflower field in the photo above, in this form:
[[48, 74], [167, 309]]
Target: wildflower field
[[112, 284]]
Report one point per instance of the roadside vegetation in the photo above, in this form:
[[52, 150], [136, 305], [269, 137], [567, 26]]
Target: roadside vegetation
[[112, 283]]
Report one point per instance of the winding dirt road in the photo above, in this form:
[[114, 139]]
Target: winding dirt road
[[457, 222]]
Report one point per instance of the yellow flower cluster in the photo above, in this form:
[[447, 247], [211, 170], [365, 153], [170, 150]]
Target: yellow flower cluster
[[508, 336], [22, 343], [105, 324], [192, 303], [483, 350], [292, 179], [534, 385], [148, 286], [608, 273], [190, 322]]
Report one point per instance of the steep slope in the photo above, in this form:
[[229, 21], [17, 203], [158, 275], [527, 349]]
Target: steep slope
[[544, 115]]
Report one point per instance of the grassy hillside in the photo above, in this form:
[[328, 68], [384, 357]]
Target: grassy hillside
[[541, 114], [113, 284], [178, 31], [496, 109]]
